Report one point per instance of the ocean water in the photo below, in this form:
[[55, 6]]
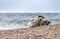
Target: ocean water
[[20, 20]]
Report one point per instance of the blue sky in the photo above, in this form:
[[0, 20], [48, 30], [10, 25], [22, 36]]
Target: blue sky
[[30, 5]]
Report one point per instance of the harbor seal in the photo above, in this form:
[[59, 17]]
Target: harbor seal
[[35, 21]]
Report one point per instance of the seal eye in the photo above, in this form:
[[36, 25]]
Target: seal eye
[[43, 17]]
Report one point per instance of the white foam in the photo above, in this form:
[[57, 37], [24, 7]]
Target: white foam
[[11, 26]]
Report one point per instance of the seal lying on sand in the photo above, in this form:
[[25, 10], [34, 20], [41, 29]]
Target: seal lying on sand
[[36, 21]]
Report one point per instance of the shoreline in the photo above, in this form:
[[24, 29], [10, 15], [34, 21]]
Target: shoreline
[[12, 28], [21, 27]]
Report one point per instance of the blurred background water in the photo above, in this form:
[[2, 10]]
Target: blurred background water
[[20, 20]]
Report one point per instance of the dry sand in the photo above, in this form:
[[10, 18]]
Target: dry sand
[[41, 32]]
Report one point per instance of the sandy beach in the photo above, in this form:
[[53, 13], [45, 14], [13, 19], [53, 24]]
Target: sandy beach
[[41, 32]]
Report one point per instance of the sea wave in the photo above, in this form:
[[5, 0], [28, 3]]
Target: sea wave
[[11, 20]]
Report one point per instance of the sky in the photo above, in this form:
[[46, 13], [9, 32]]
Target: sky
[[29, 5]]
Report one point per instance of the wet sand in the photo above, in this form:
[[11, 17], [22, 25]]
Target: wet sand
[[41, 32]]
